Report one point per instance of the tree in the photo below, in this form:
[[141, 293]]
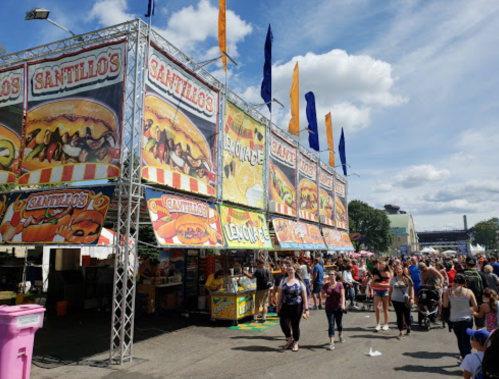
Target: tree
[[372, 224], [486, 232]]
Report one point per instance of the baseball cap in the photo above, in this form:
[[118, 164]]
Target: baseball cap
[[470, 261], [479, 335]]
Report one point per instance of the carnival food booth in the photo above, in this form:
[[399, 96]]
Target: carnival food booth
[[211, 170]]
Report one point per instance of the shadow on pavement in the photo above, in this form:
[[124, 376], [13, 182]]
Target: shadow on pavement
[[430, 355], [255, 349], [374, 336], [72, 338], [259, 337], [430, 370]]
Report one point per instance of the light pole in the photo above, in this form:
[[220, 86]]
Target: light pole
[[43, 14]]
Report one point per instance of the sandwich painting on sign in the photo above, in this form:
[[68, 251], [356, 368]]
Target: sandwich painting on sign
[[180, 128], [307, 186], [341, 205], [182, 221], [11, 122], [68, 216], [73, 124]]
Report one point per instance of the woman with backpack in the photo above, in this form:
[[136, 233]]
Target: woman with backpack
[[459, 299], [489, 309], [401, 296], [292, 304]]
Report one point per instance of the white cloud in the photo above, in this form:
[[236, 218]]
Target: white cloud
[[351, 87], [191, 28], [110, 12], [417, 176]]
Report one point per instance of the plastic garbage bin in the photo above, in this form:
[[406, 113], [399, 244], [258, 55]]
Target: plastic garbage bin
[[18, 325]]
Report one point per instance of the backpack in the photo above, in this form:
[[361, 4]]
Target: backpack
[[474, 283], [478, 374]]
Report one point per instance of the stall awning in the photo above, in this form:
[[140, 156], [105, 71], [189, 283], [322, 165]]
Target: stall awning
[[244, 229], [298, 235], [337, 240], [184, 222]]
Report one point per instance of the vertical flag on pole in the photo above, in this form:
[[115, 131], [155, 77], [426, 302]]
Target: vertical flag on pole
[[266, 90], [343, 156], [294, 94], [330, 144], [222, 35], [313, 132], [150, 8]]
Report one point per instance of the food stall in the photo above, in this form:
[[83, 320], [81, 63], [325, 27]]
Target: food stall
[[243, 230], [337, 240]]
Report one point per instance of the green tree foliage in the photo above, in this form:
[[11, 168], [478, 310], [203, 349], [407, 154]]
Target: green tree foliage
[[372, 224], [486, 233]]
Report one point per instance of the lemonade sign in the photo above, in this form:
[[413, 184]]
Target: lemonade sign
[[244, 229], [244, 158]]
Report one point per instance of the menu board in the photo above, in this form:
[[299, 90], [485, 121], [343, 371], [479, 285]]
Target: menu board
[[337, 240], [67, 216], [297, 235], [185, 222], [11, 122], [341, 205], [180, 128], [307, 186], [244, 158], [326, 195], [282, 168], [73, 124], [244, 229]]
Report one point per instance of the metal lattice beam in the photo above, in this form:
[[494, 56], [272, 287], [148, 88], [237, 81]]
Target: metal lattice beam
[[130, 193]]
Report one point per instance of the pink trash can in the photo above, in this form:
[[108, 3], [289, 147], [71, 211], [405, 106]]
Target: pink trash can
[[18, 325]]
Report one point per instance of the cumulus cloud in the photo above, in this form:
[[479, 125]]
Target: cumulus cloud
[[192, 26], [192, 29], [417, 176], [351, 87], [110, 12], [481, 191]]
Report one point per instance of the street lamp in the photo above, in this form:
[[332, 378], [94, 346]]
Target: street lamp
[[43, 14]]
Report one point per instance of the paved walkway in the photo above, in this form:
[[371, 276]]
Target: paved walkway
[[215, 351]]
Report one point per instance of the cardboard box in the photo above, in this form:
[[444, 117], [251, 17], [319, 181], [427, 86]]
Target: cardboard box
[[150, 291]]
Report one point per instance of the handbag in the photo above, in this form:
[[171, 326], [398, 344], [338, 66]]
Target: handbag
[[407, 299]]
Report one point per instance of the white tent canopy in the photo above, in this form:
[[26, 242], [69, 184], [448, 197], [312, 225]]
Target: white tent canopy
[[429, 250], [477, 248]]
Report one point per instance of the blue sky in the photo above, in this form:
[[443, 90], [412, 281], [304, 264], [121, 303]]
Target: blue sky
[[414, 83]]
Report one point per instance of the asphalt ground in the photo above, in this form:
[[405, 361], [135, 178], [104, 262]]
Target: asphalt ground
[[211, 350]]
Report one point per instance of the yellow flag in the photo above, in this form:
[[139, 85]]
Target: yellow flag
[[330, 144], [294, 123], [222, 34]]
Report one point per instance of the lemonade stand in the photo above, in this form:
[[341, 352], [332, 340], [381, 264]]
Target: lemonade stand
[[236, 299]]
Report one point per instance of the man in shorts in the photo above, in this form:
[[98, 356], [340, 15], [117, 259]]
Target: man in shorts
[[318, 281], [262, 296]]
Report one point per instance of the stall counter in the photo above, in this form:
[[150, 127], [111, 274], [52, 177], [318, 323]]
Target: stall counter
[[234, 305]]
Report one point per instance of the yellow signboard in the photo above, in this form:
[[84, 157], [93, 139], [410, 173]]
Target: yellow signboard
[[244, 229], [244, 158]]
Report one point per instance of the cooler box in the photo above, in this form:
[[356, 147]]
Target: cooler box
[[18, 325]]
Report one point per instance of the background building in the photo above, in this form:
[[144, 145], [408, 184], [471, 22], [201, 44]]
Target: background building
[[402, 229]]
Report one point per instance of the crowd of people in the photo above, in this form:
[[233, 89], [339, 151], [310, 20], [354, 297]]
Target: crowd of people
[[466, 289]]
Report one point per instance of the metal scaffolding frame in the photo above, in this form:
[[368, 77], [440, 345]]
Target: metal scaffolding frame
[[129, 190]]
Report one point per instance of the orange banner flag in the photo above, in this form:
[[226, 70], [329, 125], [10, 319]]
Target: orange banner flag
[[222, 33], [330, 144], [294, 94]]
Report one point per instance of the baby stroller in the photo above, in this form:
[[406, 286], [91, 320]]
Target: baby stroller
[[429, 301], [366, 295]]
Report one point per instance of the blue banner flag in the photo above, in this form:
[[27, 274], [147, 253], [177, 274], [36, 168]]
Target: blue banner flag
[[313, 135], [150, 9], [266, 90], [343, 155]]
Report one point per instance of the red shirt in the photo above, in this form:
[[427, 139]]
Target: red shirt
[[451, 274], [355, 273]]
